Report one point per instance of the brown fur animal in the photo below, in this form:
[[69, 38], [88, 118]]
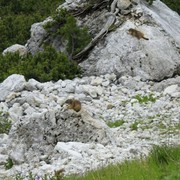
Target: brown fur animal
[[137, 34], [73, 104]]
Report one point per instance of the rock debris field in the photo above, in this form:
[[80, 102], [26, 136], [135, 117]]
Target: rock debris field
[[122, 119]]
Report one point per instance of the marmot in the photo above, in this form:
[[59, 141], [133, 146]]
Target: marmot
[[73, 104], [137, 33]]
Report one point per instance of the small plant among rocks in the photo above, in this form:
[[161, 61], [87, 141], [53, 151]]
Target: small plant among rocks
[[5, 123], [58, 175], [134, 126], [145, 99], [8, 164], [115, 123]]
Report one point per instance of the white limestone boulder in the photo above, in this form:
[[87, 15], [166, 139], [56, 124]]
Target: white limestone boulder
[[22, 50], [13, 83], [173, 90], [153, 59]]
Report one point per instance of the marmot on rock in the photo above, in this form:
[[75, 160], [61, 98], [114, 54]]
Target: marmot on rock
[[73, 104], [137, 33]]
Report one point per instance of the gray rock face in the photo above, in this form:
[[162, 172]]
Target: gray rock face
[[122, 54], [118, 52], [38, 34], [46, 129]]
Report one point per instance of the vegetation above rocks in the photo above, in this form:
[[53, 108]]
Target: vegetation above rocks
[[44, 66], [17, 16], [65, 26]]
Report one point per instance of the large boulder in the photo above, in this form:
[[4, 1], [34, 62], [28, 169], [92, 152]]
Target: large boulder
[[22, 50], [39, 133], [155, 59], [13, 83]]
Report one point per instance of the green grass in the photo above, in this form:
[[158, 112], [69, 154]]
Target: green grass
[[134, 126], [145, 99], [163, 163], [115, 123]]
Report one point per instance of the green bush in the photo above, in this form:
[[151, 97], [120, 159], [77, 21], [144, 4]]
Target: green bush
[[44, 66], [8, 164], [17, 16], [65, 26]]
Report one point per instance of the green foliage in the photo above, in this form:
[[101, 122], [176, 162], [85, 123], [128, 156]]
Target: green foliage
[[115, 123], [19, 177], [8, 164], [65, 26], [17, 16], [173, 4], [5, 123], [162, 155], [44, 66], [134, 126], [145, 99]]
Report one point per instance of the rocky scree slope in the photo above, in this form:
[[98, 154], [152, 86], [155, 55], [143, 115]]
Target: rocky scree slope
[[44, 137]]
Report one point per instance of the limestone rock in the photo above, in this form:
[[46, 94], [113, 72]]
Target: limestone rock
[[13, 83], [172, 89], [22, 50], [123, 54], [38, 33], [96, 81], [93, 91]]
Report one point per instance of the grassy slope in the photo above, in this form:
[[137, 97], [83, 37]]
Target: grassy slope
[[163, 163]]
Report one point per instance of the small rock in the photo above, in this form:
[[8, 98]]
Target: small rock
[[97, 81], [110, 106], [105, 83], [171, 89]]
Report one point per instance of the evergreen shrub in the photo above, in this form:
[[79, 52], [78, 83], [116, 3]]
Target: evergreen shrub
[[65, 26], [44, 66]]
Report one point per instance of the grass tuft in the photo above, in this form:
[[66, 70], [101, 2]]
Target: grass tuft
[[145, 99], [115, 123]]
